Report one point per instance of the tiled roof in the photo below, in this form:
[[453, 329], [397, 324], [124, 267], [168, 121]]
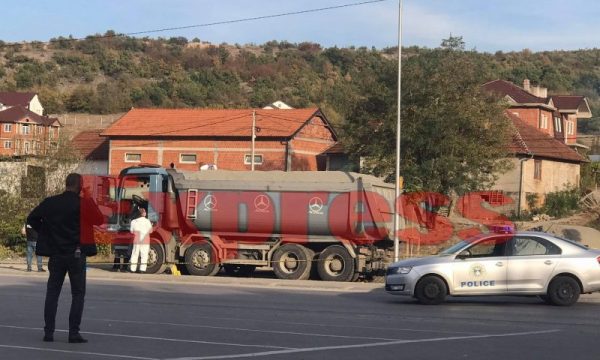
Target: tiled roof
[[17, 113], [91, 145], [567, 102], [518, 94], [336, 148], [210, 122], [528, 140], [16, 98]]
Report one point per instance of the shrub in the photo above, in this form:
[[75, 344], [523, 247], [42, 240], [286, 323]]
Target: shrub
[[562, 203]]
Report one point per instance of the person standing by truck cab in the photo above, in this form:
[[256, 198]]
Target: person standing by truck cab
[[31, 235], [140, 228]]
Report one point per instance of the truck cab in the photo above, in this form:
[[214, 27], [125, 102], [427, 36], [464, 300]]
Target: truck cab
[[149, 187]]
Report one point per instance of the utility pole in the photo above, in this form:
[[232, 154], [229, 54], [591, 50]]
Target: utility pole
[[398, 133], [253, 137]]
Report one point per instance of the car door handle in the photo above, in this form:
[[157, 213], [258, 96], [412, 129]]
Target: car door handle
[[500, 264], [548, 262]]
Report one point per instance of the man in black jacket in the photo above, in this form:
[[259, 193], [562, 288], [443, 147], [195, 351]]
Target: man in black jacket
[[65, 233]]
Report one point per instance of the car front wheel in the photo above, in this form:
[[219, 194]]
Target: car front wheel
[[431, 290]]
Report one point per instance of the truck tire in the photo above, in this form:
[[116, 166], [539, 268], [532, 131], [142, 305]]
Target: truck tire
[[156, 258], [199, 260], [239, 270], [335, 264], [292, 262], [563, 291], [431, 290]]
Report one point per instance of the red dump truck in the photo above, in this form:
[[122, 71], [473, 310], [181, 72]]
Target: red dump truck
[[332, 224]]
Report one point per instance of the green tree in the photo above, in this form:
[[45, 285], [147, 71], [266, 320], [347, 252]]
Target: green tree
[[454, 136]]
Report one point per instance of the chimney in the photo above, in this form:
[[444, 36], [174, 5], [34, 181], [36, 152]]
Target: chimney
[[542, 92], [526, 85]]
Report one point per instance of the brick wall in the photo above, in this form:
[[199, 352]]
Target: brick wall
[[533, 117], [227, 155]]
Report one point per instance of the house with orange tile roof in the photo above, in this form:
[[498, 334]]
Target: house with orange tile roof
[[24, 130], [555, 115], [544, 148], [187, 139]]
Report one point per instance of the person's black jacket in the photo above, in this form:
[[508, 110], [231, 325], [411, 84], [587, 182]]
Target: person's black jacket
[[63, 223], [31, 234]]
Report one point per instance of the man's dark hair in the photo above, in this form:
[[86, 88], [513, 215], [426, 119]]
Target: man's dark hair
[[73, 182]]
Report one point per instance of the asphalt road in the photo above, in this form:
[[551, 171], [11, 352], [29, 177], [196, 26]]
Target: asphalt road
[[129, 316]]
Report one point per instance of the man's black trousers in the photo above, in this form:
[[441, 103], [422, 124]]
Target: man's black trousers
[[59, 266]]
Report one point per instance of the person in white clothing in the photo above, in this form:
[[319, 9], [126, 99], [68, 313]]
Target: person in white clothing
[[140, 228]]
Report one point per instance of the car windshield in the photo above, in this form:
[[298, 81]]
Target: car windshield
[[454, 248]]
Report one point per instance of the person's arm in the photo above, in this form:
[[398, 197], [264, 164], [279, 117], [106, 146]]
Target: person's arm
[[131, 227], [36, 216]]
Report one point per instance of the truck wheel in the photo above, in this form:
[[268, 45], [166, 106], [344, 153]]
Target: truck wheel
[[199, 260], [335, 264], [563, 291], [431, 290], [156, 258], [239, 270], [292, 262]]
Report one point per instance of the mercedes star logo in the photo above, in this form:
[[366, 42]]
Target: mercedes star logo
[[210, 202], [262, 203], [315, 205]]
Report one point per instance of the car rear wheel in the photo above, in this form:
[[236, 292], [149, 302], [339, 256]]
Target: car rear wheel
[[431, 290], [563, 291]]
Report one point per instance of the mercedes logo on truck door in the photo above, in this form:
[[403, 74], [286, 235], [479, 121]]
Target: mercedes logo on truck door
[[315, 206], [210, 203], [262, 203]]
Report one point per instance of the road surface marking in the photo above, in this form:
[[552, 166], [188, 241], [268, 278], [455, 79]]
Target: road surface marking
[[244, 329], [333, 325], [354, 346], [157, 338], [75, 352]]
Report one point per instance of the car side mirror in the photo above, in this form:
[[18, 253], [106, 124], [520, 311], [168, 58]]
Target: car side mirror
[[463, 255]]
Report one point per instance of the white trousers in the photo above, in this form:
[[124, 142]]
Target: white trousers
[[139, 250]]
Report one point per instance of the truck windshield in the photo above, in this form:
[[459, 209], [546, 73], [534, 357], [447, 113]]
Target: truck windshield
[[135, 186]]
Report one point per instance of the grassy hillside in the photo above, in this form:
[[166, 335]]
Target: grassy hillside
[[111, 74]]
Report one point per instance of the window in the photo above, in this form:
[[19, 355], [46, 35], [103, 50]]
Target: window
[[526, 246], [187, 158], [25, 129], [8, 144], [488, 247], [7, 127], [494, 197], [537, 169], [26, 145], [570, 127], [557, 124], [544, 122], [258, 159], [133, 157], [51, 132], [40, 130]]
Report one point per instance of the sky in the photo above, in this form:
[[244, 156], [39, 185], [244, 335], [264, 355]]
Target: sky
[[485, 25]]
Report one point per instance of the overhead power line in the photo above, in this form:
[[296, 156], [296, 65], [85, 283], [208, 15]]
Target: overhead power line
[[256, 17], [215, 23]]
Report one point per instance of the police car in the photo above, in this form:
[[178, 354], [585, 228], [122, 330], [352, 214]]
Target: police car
[[523, 263]]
